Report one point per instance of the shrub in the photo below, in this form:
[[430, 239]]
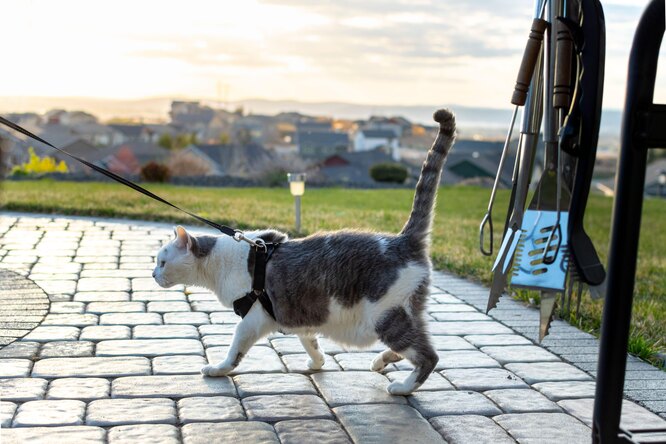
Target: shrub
[[274, 177], [39, 165], [389, 172], [178, 142], [187, 164], [155, 172], [165, 141]]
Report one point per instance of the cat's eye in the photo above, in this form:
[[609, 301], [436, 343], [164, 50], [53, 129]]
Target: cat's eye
[[162, 264]]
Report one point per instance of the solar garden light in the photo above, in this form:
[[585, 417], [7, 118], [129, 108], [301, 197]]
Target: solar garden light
[[662, 182], [297, 189]]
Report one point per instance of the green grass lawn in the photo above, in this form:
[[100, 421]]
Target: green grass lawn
[[455, 236]]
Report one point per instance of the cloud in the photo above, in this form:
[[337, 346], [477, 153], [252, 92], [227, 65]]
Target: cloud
[[362, 38]]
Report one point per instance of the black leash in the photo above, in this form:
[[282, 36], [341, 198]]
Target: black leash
[[262, 251], [128, 183]]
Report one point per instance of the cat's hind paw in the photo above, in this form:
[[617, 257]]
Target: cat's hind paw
[[316, 364], [401, 388], [214, 370], [378, 364]]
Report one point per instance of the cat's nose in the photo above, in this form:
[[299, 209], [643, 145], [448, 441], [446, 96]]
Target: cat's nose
[[154, 274]]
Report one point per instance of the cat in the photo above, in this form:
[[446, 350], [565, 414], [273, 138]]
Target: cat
[[350, 286]]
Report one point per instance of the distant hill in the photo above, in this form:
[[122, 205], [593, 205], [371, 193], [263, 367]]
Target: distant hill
[[489, 121]]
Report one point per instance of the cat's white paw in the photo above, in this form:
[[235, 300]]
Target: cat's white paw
[[400, 388], [214, 370], [316, 364], [378, 364]]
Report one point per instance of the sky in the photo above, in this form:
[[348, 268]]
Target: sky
[[414, 52]]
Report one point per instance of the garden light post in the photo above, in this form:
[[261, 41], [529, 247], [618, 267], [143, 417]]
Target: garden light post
[[297, 189], [662, 181]]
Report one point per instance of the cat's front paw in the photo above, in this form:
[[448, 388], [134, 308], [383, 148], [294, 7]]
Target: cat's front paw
[[316, 364], [214, 370], [400, 388]]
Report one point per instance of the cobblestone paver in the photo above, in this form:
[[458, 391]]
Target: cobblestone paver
[[117, 359]]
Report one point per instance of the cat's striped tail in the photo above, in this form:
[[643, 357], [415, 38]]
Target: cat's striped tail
[[419, 224]]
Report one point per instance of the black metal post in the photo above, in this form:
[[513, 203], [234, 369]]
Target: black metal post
[[629, 186]]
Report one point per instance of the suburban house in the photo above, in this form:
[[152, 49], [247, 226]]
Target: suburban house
[[80, 148], [314, 125], [289, 124], [96, 133], [233, 159], [14, 150], [399, 125], [25, 119], [352, 168], [318, 144], [256, 128], [128, 158], [156, 130], [371, 139], [210, 154], [477, 161], [58, 135], [131, 132], [92, 132], [69, 118], [193, 118]]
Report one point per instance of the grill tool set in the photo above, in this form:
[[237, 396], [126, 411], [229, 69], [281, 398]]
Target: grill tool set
[[560, 85]]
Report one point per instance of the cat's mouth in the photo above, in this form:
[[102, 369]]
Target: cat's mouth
[[164, 283]]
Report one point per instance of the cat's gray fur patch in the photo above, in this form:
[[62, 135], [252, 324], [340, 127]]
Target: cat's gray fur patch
[[347, 266], [202, 245]]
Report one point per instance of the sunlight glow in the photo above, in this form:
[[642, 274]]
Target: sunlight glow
[[396, 52]]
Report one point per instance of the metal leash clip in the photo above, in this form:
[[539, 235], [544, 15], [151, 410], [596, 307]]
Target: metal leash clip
[[256, 243], [260, 243], [240, 236]]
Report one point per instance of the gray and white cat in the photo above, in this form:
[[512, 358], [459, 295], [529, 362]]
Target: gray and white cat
[[350, 286]]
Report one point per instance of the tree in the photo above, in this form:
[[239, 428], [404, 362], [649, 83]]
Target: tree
[[244, 136], [225, 139], [181, 140], [165, 141], [184, 139]]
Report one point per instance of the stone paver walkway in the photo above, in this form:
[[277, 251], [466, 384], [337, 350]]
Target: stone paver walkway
[[117, 359], [23, 305]]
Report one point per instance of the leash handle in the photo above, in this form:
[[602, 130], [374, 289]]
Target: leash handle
[[128, 183]]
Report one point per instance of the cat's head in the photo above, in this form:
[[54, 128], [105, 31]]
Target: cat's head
[[176, 261]]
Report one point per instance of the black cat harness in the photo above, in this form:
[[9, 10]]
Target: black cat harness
[[262, 252]]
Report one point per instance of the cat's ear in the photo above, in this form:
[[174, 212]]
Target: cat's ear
[[182, 237]]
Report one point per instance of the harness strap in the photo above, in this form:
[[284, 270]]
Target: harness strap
[[243, 305], [261, 257], [128, 183]]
